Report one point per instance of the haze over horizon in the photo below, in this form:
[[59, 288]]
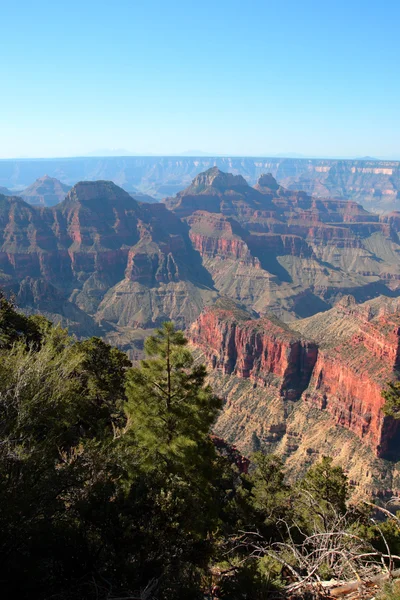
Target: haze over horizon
[[123, 153], [156, 78]]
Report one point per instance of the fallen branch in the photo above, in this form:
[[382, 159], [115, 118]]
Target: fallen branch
[[352, 586]]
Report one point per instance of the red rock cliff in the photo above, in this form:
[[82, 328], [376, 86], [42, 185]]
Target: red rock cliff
[[264, 351], [345, 379], [348, 380]]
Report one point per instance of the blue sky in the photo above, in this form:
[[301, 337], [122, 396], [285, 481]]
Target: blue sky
[[236, 77]]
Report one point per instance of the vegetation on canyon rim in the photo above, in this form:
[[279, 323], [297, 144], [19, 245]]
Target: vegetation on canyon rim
[[111, 485]]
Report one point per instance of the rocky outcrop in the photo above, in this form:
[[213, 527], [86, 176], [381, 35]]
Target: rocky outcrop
[[343, 374], [292, 244], [217, 192], [351, 372], [214, 235], [279, 244], [214, 179], [100, 262], [272, 249], [264, 351], [45, 191]]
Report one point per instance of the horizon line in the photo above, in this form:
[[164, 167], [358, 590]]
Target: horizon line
[[204, 157]]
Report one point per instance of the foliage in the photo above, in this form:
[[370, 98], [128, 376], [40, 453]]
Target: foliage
[[111, 485], [169, 403], [270, 493], [96, 498], [57, 457], [15, 326], [390, 591], [328, 484], [392, 400]]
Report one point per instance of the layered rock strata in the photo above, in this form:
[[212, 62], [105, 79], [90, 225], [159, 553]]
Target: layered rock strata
[[128, 265], [45, 191], [276, 250], [342, 374], [375, 183]]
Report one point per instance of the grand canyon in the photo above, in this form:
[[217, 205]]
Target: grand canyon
[[291, 298], [199, 301], [374, 183]]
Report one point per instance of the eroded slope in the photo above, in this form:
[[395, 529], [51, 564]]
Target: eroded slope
[[304, 396]]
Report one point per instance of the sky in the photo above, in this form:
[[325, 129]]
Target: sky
[[248, 78]]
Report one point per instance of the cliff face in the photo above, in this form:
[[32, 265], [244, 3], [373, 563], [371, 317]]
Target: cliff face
[[265, 352], [102, 263], [371, 182], [341, 374], [352, 370]]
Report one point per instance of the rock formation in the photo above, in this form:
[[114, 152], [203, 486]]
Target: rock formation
[[374, 183], [45, 191], [5, 192], [129, 265], [299, 377], [299, 392], [118, 262], [277, 250], [265, 351]]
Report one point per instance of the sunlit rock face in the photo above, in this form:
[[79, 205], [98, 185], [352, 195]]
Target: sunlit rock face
[[45, 191], [264, 351], [120, 263], [283, 251], [295, 389]]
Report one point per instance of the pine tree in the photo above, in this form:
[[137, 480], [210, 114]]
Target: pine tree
[[169, 406], [170, 411], [269, 489], [327, 484]]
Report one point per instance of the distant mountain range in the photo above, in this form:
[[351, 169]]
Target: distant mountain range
[[269, 248], [373, 183], [5, 191], [104, 152]]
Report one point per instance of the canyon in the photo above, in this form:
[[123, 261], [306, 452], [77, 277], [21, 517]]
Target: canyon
[[292, 299], [308, 390], [373, 183]]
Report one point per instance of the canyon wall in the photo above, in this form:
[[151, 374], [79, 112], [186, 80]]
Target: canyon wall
[[104, 264], [267, 353], [342, 377], [130, 265]]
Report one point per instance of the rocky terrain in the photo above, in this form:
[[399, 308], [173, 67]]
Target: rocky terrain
[[373, 183], [45, 191], [292, 299], [119, 263], [101, 262], [309, 390], [285, 252], [100, 256]]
